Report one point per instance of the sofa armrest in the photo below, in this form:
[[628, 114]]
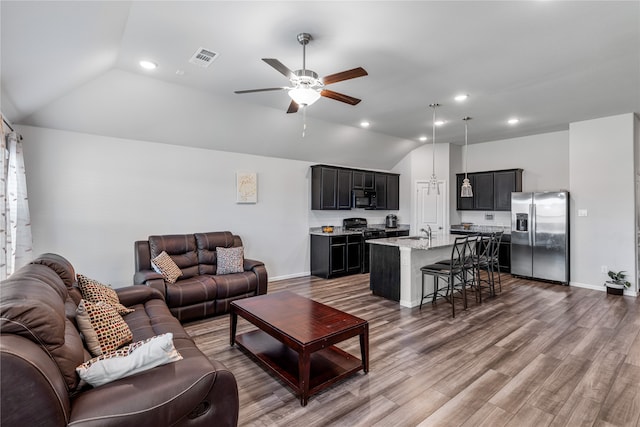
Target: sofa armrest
[[260, 271], [152, 279], [33, 391], [137, 294], [193, 391]]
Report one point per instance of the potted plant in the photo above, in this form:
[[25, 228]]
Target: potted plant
[[617, 284]]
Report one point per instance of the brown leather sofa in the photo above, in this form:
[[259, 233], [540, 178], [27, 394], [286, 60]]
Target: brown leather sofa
[[40, 347], [199, 292]]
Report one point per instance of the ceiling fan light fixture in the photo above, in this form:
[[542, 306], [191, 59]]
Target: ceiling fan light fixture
[[304, 96]]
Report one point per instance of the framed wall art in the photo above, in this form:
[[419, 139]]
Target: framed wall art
[[246, 187]]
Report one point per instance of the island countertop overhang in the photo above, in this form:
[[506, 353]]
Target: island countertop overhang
[[438, 240]]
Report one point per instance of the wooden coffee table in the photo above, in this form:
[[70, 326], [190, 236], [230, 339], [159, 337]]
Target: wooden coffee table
[[296, 338]]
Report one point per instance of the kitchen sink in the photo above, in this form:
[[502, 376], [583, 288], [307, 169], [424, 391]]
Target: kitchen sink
[[414, 238]]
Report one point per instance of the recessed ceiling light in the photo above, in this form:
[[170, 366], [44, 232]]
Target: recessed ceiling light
[[148, 65], [513, 121], [440, 122], [365, 124], [422, 138], [461, 97]]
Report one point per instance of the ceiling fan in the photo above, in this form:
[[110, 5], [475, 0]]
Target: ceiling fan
[[306, 88]]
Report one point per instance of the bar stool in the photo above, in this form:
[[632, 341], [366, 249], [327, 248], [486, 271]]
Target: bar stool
[[482, 262], [453, 274], [494, 259]]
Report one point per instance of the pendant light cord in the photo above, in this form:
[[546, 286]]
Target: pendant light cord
[[433, 140], [466, 148]]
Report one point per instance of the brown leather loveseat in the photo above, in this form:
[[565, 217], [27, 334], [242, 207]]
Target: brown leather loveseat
[[199, 292], [40, 348]]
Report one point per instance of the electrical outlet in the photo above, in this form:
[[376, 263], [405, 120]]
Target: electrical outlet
[[604, 269], [488, 216]]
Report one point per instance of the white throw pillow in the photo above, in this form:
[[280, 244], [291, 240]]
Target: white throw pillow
[[137, 357]]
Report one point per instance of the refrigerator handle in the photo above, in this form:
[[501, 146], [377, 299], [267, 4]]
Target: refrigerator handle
[[534, 225]]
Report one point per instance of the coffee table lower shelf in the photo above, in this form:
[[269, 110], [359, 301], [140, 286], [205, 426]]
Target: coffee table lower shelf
[[328, 365]]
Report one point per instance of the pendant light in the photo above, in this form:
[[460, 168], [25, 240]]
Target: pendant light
[[433, 182], [466, 190]]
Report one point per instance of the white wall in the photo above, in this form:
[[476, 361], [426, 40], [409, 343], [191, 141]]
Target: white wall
[[418, 166], [544, 159], [603, 183], [91, 197]]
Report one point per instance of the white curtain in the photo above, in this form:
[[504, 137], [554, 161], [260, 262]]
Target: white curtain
[[16, 244]]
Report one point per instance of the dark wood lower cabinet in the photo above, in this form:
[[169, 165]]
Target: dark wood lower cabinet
[[384, 279], [333, 256]]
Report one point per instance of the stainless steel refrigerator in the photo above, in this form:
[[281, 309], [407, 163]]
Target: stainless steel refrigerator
[[540, 235]]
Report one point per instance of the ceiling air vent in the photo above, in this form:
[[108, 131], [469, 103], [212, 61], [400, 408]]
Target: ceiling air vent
[[203, 57]]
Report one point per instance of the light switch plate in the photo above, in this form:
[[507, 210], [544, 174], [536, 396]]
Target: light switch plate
[[582, 212]]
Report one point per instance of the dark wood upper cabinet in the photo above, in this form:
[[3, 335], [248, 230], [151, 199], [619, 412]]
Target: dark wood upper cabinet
[[393, 192], [381, 190], [332, 187], [344, 189], [491, 190], [363, 180], [504, 183], [482, 185], [463, 203]]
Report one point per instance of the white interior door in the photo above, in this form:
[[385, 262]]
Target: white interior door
[[431, 209]]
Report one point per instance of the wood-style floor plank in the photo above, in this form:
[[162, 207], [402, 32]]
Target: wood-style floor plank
[[537, 354]]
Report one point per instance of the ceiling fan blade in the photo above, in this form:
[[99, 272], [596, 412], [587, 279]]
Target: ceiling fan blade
[[345, 75], [293, 107], [268, 89], [339, 97], [280, 67]]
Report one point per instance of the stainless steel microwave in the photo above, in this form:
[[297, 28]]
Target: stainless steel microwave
[[364, 199]]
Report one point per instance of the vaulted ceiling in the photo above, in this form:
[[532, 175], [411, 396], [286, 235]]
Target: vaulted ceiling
[[74, 66]]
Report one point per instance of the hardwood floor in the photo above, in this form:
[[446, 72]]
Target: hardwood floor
[[538, 354]]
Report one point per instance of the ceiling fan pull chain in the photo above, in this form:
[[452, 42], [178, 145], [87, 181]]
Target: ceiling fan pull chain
[[304, 120]]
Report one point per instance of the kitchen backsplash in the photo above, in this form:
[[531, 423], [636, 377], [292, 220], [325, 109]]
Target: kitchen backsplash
[[500, 218]]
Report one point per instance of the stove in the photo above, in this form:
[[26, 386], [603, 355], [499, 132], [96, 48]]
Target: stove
[[360, 225]]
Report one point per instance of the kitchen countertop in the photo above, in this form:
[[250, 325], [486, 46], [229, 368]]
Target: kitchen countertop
[[481, 228], [438, 240], [339, 231]]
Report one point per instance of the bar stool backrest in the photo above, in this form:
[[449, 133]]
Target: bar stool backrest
[[458, 252], [496, 238]]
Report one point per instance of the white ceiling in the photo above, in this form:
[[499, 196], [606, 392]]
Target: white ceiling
[[74, 66]]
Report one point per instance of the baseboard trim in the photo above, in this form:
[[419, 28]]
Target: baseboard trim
[[627, 292], [289, 276]]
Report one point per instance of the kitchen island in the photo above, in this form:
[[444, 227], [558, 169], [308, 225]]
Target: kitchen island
[[396, 262]]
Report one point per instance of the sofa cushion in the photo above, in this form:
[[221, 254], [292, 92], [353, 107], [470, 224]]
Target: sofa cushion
[[104, 330], [230, 260], [192, 290], [164, 265], [207, 244], [231, 285], [132, 359], [95, 292], [182, 250], [153, 317]]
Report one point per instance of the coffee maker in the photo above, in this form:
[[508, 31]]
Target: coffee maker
[[391, 221]]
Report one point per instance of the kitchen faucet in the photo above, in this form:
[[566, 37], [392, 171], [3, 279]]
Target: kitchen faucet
[[427, 231]]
